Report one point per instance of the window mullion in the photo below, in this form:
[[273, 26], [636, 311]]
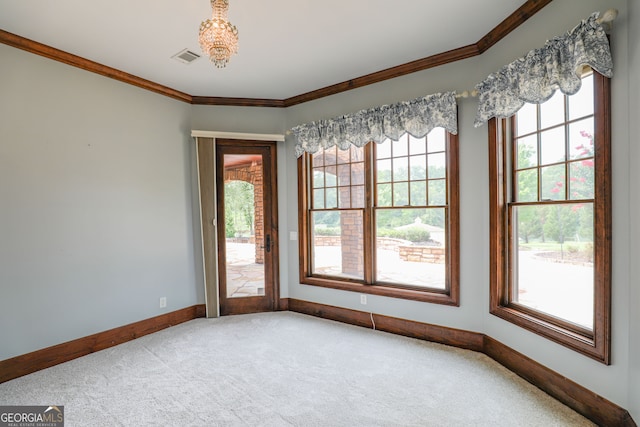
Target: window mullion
[[369, 220]]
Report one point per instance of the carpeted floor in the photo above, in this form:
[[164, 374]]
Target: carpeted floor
[[286, 369]]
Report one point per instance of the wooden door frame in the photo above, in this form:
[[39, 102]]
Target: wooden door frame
[[272, 271]]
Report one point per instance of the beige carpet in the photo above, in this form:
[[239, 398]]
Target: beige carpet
[[286, 369]]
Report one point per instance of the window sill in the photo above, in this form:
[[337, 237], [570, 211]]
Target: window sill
[[429, 296], [585, 345]]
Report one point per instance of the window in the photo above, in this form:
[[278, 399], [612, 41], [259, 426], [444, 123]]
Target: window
[[383, 218], [551, 218]]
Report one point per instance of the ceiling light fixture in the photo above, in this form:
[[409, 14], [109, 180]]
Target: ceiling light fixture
[[218, 37]]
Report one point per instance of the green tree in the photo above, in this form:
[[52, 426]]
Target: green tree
[[239, 208], [530, 222], [562, 223]]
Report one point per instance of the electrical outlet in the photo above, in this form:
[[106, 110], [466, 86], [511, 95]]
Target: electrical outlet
[[163, 302], [363, 299]]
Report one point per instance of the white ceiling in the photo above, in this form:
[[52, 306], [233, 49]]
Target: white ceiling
[[287, 47]]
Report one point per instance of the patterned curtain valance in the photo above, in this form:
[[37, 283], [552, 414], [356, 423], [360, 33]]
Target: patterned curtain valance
[[417, 117], [535, 77]]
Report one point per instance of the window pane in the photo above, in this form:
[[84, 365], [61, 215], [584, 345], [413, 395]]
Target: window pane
[[344, 175], [581, 179], [527, 119], [318, 158], [343, 156], [527, 190], [318, 199], [527, 152], [383, 150], [554, 260], [553, 182], [357, 154], [437, 192], [436, 140], [581, 104], [552, 111], [337, 244], [410, 247], [418, 193], [331, 198], [330, 156], [357, 174], [318, 177], [401, 194], [357, 196], [418, 167], [417, 145], [437, 165], [384, 171], [331, 176], [581, 139], [552, 146], [401, 169], [344, 201], [384, 194], [400, 147]]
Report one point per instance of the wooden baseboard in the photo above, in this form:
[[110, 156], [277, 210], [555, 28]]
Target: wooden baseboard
[[580, 399], [440, 334], [589, 404], [51, 356]]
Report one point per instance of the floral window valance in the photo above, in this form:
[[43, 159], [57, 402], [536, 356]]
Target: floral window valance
[[535, 77], [417, 117]]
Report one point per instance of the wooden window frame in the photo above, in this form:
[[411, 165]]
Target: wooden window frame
[[596, 343], [449, 296]]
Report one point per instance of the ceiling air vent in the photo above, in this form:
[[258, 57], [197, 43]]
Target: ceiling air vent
[[185, 56]]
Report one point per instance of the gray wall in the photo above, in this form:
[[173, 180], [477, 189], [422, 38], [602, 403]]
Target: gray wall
[[99, 210], [612, 381], [634, 213], [96, 220]]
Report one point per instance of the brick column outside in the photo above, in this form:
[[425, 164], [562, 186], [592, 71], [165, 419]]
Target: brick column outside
[[258, 218], [351, 242], [351, 229]]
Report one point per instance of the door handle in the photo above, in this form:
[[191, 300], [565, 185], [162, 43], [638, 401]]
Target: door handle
[[268, 243]]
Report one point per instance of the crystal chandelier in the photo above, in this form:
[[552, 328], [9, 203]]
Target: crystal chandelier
[[218, 37]]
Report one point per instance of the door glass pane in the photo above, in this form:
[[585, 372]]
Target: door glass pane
[[554, 260], [244, 227], [410, 247]]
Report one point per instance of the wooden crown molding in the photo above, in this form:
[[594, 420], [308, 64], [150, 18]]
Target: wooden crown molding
[[513, 21], [238, 102], [85, 64]]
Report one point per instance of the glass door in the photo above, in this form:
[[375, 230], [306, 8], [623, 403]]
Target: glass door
[[247, 226]]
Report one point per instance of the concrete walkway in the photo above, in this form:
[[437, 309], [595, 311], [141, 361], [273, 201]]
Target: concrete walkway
[[245, 278]]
